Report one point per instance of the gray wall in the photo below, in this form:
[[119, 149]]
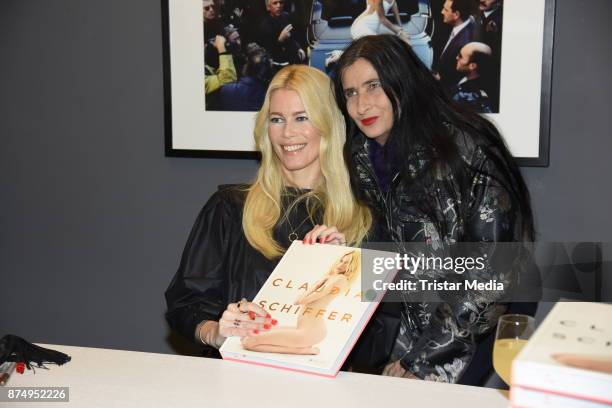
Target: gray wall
[[93, 217]]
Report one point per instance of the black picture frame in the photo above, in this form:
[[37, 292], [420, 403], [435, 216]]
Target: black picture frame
[[539, 159]]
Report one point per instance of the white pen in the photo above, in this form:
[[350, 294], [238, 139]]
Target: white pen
[[6, 370]]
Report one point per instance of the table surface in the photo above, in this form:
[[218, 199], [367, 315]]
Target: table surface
[[115, 378]]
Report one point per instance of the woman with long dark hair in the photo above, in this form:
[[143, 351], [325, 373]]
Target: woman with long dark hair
[[435, 173]]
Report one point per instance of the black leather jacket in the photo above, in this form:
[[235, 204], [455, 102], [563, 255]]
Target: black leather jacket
[[436, 341], [218, 265]]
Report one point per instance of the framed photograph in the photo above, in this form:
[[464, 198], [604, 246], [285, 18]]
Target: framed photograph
[[219, 56]]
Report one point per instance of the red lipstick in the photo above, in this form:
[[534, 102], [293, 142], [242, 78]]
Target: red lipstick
[[369, 121]]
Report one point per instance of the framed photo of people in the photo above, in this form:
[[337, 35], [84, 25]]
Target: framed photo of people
[[494, 56]]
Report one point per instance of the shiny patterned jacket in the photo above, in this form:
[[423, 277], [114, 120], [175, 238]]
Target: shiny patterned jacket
[[436, 340]]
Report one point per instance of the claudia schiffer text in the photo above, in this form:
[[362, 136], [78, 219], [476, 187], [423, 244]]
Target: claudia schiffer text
[[295, 309]]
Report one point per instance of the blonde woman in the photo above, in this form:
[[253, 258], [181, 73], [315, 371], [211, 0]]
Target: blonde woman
[[242, 232], [310, 329]]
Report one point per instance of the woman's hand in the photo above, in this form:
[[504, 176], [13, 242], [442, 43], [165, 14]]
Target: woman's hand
[[243, 318], [395, 369], [324, 235], [239, 319]]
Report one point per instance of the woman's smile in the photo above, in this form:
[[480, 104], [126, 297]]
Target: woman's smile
[[294, 148]]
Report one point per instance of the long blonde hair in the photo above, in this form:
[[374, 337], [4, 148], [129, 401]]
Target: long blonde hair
[[262, 209]]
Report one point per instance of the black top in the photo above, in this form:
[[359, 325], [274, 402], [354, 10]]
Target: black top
[[218, 265]]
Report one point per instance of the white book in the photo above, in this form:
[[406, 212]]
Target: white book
[[569, 354], [315, 294]]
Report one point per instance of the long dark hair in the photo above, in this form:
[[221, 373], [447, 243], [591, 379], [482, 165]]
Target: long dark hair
[[428, 119]]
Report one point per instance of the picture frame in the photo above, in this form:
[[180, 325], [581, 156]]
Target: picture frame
[[525, 87]]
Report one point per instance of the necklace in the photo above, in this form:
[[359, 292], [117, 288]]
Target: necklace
[[293, 208], [293, 234]]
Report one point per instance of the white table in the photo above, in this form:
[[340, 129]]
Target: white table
[[113, 378]]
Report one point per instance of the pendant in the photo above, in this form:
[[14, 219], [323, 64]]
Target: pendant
[[293, 236]]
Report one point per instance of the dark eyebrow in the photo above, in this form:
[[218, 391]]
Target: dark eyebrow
[[368, 82]]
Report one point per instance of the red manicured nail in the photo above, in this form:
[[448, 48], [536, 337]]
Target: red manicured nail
[[268, 315], [20, 368], [274, 322], [252, 315], [267, 326], [255, 331]]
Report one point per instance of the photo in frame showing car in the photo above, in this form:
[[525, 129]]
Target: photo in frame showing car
[[476, 48], [259, 38]]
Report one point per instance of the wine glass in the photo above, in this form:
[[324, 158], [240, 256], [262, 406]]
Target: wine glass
[[513, 331]]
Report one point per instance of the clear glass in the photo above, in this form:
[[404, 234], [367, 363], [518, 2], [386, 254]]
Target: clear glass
[[513, 331]]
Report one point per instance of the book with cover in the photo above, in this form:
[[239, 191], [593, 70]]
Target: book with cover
[[569, 355], [315, 294]]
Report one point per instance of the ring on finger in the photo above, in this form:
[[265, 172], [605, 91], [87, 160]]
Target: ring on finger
[[241, 304]]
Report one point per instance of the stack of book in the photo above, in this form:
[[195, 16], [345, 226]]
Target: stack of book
[[568, 360]]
